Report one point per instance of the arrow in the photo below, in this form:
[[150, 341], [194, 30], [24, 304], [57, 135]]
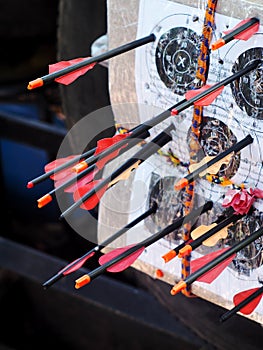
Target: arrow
[[62, 167], [52, 167], [78, 263], [57, 166], [174, 252], [86, 175], [71, 185], [204, 168], [122, 258], [227, 255], [75, 181], [214, 168], [139, 131], [105, 144], [66, 72], [62, 66], [208, 234], [245, 302], [199, 96], [242, 31], [212, 274], [203, 234], [88, 196]]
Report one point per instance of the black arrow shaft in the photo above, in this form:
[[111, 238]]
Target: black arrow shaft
[[72, 180], [185, 104], [100, 58], [97, 248], [179, 107], [178, 223], [235, 148], [198, 241], [243, 303], [234, 249], [147, 150], [62, 167], [137, 133], [116, 235], [228, 37]]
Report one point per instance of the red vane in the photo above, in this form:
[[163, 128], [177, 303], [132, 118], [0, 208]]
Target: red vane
[[103, 144], [248, 33], [69, 175], [109, 141], [57, 162], [204, 101], [250, 307], [75, 265], [94, 199], [70, 77], [125, 262], [86, 179], [212, 274], [245, 35], [78, 183]]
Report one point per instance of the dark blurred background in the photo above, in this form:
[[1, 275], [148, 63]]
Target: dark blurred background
[[128, 310], [34, 122]]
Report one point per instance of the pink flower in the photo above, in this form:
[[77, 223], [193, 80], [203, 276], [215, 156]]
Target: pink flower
[[241, 200]]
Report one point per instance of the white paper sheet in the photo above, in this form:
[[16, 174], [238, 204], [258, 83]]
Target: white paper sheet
[[165, 70]]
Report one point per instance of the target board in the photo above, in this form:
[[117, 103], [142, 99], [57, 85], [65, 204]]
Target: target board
[[164, 71]]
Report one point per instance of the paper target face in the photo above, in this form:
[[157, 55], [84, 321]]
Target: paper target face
[[176, 58], [246, 260], [248, 90], [249, 258], [165, 71], [245, 95], [171, 61], [216, 137], [169, 202]]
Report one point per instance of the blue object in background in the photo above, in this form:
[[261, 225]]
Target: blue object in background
[[20, 164]]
